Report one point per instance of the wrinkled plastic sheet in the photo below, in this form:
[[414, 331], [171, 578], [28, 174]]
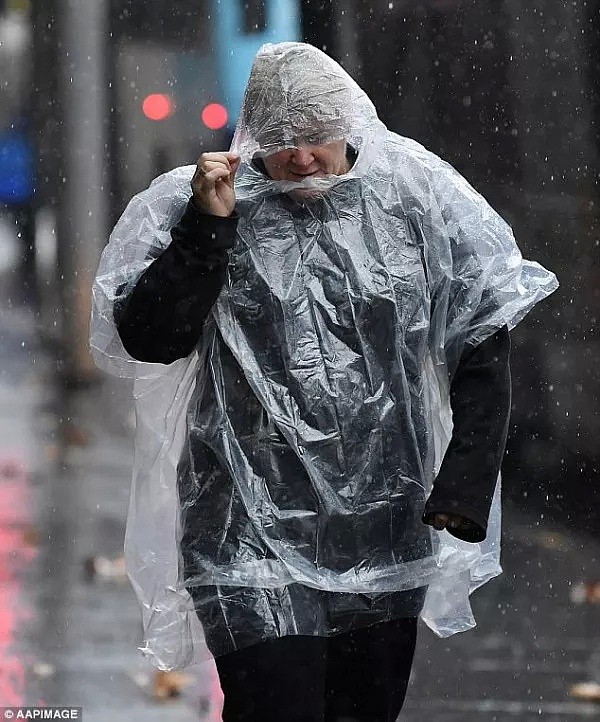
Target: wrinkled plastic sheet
[[281, 470]]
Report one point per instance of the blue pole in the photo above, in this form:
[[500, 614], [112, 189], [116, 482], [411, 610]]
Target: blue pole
[[235, 49]]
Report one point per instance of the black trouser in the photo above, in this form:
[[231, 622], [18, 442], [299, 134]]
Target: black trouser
[[360, 675]]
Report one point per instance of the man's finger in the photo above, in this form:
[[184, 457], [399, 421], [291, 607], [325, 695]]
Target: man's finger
[[216, 174], [226, 158], [209, 164], [235, 164], [439, 521]]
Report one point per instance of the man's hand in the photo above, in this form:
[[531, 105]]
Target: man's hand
[[450, 521], [212, 184]]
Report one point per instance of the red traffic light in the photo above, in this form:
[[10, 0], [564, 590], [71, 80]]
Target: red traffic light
[[214, 116], [158, 106]]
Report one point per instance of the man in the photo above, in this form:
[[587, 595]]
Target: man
[[301, 330]]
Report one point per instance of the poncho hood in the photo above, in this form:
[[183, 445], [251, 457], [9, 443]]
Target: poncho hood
[[295, 94]]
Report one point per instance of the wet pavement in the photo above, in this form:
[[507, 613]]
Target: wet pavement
[[69, 622], [531, 643]]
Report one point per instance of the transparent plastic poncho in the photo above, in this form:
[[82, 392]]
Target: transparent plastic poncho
[[288, 459]]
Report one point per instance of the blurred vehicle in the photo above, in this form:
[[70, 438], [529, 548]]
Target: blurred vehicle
[[179, 75]]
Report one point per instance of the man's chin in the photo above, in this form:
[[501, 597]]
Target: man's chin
[[316, 186], [306, 194]]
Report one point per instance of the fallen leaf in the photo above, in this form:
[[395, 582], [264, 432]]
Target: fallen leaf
[[555, 541], [52, 453], [75, 436], [43, 670], [100, 567], [586, 691], [585, 593], [31, 536], [170, 684]]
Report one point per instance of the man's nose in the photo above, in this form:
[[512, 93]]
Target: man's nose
[[302, 157]]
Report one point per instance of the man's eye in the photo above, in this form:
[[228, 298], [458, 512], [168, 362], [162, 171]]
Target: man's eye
[[310, 140]]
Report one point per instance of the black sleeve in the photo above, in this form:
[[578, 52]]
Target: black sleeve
[[480, 397], [161, 318]]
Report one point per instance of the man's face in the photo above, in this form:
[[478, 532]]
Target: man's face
[[307, 161]]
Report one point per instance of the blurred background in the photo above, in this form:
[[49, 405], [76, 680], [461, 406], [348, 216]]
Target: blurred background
[[96, 99]]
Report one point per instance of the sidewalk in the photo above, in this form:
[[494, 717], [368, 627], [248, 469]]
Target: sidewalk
[[91, 608], [531, 643], [68, 638]]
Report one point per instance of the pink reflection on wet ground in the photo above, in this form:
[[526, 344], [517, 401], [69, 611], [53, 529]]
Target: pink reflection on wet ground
[[16, 556]]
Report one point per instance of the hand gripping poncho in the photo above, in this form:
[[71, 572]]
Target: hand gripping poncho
[[291, 455]]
